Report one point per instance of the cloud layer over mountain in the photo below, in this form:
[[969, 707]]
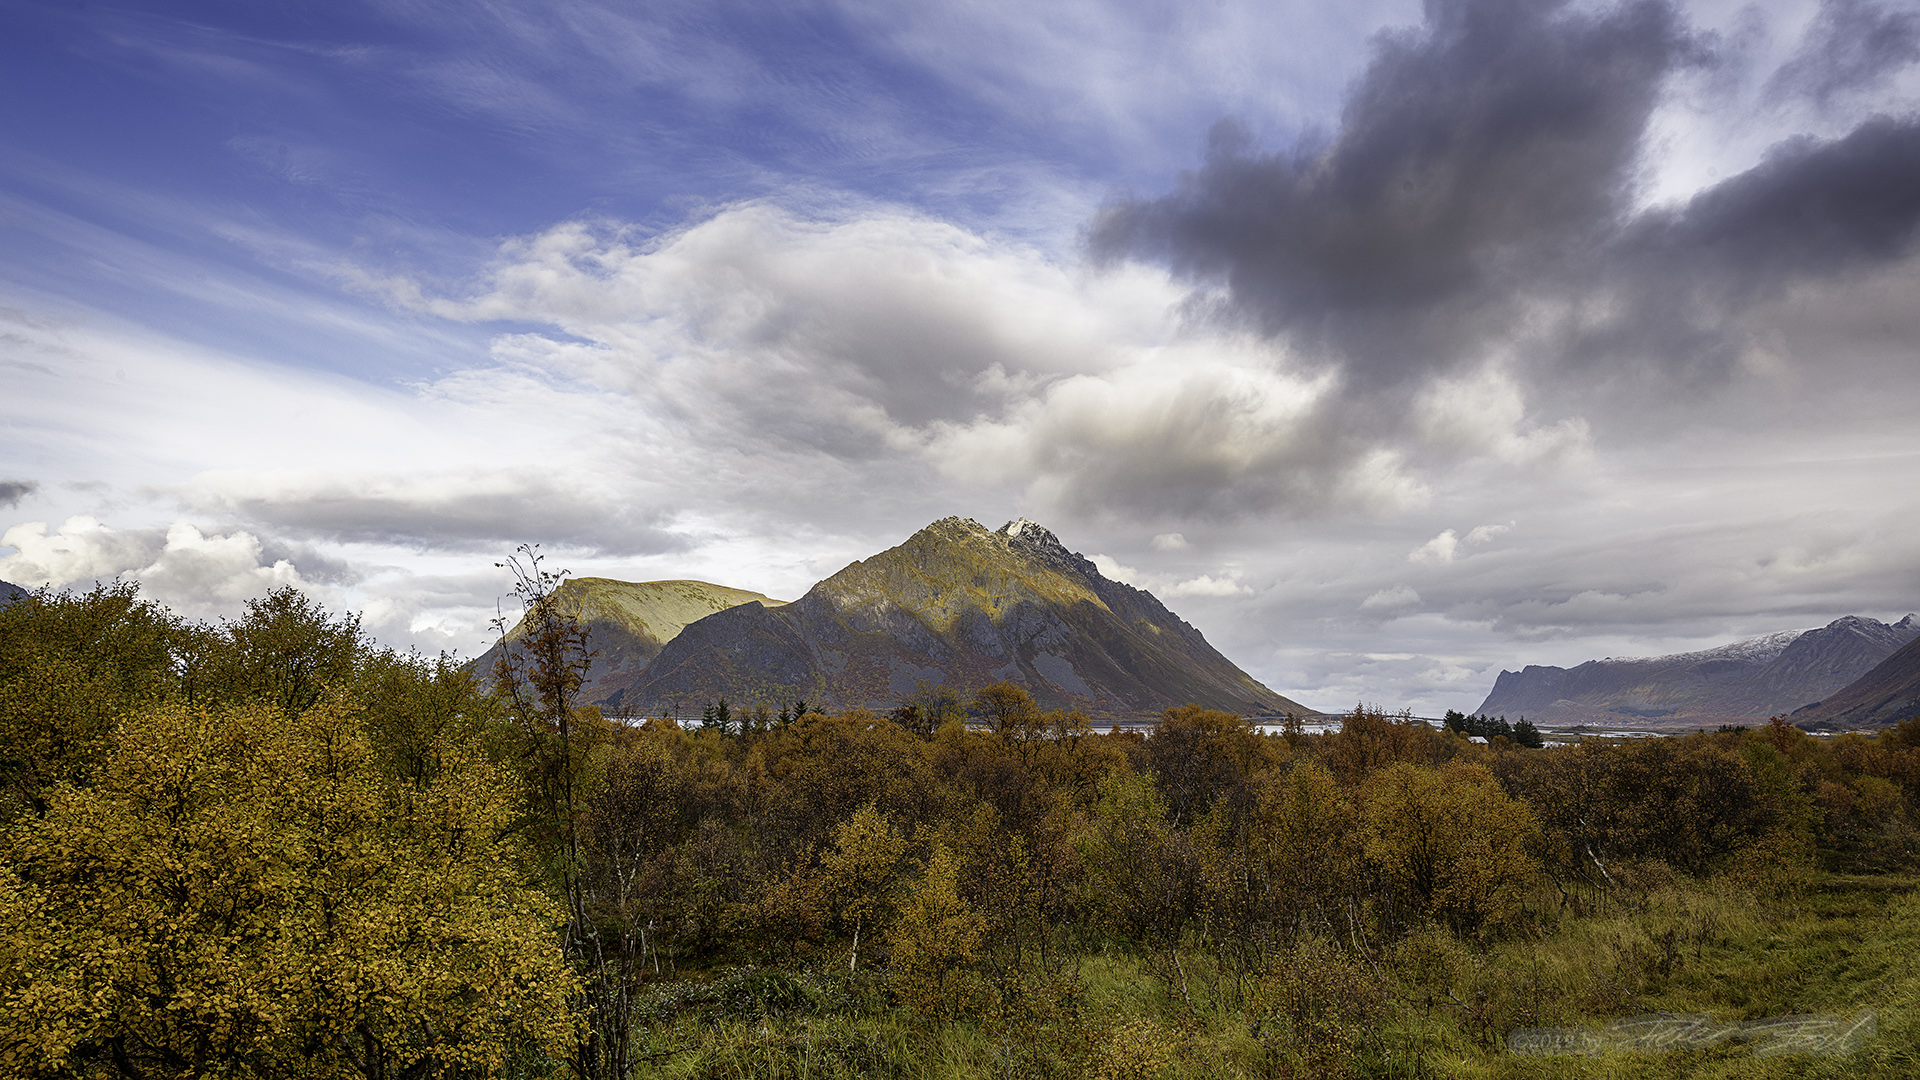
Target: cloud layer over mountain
[[1501, 331]]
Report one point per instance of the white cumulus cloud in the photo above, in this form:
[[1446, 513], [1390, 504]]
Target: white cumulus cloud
[[194, 572], [1208, 585], [1393, 599], [1440, 549]]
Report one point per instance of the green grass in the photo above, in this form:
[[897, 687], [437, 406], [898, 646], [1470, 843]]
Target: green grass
[[1845, 944], [1848, 943]]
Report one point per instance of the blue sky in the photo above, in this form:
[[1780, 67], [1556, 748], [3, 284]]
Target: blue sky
[[1389, 344]]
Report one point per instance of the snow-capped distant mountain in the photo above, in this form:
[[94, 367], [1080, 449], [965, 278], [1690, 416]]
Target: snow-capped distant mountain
[[1743, 680]]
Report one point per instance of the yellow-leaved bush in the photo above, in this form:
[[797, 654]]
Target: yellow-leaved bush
[[1450, 843], [862, 871], [936, 942], [245, 893]]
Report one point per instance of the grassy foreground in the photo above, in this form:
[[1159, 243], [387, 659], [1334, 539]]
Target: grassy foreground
[[1430, 1006]]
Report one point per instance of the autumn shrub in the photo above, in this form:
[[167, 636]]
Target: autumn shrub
[[1450, 844], [936, 944], [1199, 756], [1282, 866], [1369, 740], [1140, 880], [246, 894], [70, 665], [821, 768], [864, 876]]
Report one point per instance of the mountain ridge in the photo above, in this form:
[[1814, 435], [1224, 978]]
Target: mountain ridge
[[1887, 694], [956, 606], [629, 622], [1753, 678]]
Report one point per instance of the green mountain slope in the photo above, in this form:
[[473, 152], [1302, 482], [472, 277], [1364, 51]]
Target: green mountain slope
[[955, 606], [630, 621]]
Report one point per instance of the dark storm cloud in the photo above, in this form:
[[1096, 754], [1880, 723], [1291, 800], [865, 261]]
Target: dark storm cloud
[[1812, 210], [1489, 161], [1496, 141], [12, 491], [1853, 45]]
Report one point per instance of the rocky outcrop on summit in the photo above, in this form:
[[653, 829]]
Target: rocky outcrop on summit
[[1888, 694], [955, 606], [1741, 681], [628, 622]]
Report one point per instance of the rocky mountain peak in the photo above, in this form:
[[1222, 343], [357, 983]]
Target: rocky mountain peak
[[1037, 542], [958, 607], [1033, 530]]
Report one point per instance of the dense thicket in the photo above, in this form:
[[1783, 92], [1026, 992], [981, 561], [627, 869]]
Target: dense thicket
[[267, 848]]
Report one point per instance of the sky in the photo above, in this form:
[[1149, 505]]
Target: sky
[[1390, 344]]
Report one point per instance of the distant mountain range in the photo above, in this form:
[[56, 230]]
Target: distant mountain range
[[10, 593], [1888, 694], [1738, 682], [955, 607]]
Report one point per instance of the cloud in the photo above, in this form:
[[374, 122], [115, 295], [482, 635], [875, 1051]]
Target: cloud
[[1572, 264], [1212, 430], [1208, 585], [1393, 599], [1114, 569], [1443, 548], [457, 510], [1439, 549], [194, 572], [792, 354], [1471, 234], [82, 550], [1498, 140], [1853, 45], [12, 491], [1484, 534]]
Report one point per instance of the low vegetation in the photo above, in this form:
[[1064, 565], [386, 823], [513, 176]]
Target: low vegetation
[[267, 848]]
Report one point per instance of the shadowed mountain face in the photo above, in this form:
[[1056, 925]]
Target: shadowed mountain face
[[10, 593], [1888, 694], [1745, 680], [630, 621], [955, 606]]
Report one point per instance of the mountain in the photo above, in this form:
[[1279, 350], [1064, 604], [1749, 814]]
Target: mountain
[[10, 593], [630, 621], [1887, 694], [1744, 680], [954, 606]]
